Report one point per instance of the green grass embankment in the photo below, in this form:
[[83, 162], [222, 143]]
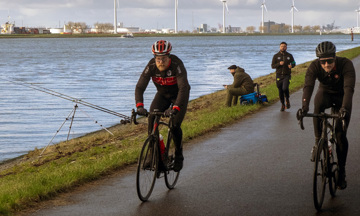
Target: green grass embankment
[[30, 179]]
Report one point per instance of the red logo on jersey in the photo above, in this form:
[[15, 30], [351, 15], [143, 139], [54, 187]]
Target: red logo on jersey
[[165, 81]]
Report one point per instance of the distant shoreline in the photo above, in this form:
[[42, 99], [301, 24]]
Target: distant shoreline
[[149, 35]]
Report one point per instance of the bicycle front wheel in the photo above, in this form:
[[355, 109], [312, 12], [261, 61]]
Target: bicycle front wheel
[[171, 176], [146, 170], [319, 181]]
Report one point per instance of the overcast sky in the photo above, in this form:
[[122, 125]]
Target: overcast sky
[[150, 14]]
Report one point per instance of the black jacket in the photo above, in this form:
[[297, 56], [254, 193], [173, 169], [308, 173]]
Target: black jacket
[[282, 70], [172, 83], [341, 80]]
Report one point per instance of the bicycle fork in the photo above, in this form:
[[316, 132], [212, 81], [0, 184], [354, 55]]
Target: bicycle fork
[[325, 146], [328, 147]]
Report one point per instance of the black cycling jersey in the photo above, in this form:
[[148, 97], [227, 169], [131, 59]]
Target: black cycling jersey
[[171, 83], [339, 81]]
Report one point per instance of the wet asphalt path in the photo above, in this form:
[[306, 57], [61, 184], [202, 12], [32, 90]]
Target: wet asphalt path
[[259, 166]]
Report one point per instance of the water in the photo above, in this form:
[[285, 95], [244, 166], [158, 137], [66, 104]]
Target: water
[[104, 71]]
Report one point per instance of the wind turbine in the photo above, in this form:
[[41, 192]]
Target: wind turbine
[[115, 18], [292, 11], [224, 5], [263, 6], [357, 12], [9, 16], [176, 21]]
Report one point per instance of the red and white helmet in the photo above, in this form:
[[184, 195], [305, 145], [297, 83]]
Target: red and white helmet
[[161, 47]]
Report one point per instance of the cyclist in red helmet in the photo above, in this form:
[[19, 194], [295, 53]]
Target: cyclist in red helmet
[[169, 76]]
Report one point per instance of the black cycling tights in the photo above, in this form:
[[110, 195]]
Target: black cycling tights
[[324, 100], [161, 103]]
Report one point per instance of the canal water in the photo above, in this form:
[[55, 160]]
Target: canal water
[[104, 72]]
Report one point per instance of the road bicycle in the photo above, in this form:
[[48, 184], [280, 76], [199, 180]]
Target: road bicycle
[[155, 159], [326, 170]]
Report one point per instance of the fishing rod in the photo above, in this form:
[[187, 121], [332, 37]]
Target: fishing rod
[[126, 119]]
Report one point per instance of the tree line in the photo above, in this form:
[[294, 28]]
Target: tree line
[[80, 27], [283, 28]]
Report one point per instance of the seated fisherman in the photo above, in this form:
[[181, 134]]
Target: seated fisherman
[[242, 85]]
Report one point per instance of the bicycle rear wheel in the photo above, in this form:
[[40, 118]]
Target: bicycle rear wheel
[[147, 168], [171, 176], [319, 180], [334, 169]]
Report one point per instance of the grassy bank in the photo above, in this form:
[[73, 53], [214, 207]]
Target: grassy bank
[[31, 179]]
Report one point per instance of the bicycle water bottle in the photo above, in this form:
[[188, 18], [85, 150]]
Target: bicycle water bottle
[[162, 145]]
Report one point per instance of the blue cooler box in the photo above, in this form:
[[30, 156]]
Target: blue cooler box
[[249, 98]]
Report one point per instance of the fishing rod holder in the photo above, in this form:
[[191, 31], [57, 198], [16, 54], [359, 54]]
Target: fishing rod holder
[[71, 117], [125, 119]]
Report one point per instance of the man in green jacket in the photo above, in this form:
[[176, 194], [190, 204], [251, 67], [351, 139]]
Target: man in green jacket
[[242, 85]]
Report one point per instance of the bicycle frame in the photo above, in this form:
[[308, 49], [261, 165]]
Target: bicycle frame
[[155, 131], [324, 137], [156, 124]]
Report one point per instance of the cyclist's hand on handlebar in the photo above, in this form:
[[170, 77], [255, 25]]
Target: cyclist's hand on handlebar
[[304, 110], [172, 112], [141, 111], [300, 114], [343, 113]]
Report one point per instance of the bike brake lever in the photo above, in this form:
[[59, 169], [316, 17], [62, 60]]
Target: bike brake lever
[[133, 117], [300, 117], [301, 124]]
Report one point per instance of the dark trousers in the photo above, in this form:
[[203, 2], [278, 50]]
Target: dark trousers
[[233, 94], [282, 84], [162, 103], [324, 100]]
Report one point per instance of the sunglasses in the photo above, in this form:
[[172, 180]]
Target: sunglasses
[[161, 59], [329, 61]]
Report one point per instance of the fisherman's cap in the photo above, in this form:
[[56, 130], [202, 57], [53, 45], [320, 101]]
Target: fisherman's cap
[[232, 67]]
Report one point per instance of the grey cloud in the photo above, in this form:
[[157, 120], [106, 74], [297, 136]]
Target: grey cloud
[[318, 5]]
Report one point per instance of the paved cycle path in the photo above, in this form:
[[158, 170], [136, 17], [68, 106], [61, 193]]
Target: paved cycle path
[[259, 166]]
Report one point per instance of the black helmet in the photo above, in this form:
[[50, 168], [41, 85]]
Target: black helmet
[[325, 49]]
